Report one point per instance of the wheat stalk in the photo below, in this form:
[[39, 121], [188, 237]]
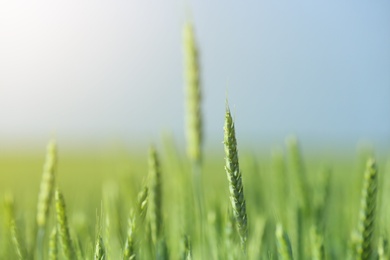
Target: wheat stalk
[[235, 178]]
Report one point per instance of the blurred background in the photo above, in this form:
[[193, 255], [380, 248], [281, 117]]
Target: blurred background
[[95, 72]]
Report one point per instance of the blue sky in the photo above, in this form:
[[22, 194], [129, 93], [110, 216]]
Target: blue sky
[[113, 69]]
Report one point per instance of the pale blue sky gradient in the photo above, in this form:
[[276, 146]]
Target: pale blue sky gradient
[[113, 69]]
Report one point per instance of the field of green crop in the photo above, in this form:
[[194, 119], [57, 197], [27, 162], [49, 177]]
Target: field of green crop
[[172, 202], [101, 189]]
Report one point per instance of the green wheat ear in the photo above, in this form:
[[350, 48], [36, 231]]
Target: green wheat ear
[[142, 203], [155, 205], [45, 194], [301, 184], [186, 248], [283, 244], [129, 253], [194, 97], [162, 252], [234, 176], [100, 252], [317, 244], [53, 245], [365, 248], [135, 221], [47, 184], [383, 248], [63, 228], [13, 232]]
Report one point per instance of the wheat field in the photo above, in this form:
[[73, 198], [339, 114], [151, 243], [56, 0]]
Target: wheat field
[[173, 201]]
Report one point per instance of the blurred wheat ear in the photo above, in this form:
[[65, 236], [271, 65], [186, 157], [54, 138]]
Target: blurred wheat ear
[[45, 196], [100, 252], [194, 120], [193, 96], [129, 250], [365, 247], [53, 245], [155, 205], [47, 184], [63, 228], [283, 244], [12, 229]]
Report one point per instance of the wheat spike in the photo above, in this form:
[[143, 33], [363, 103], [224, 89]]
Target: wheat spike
[[194, 97], [299, 174], [155, 204], [235, 178], [366, 226], [383, 248], [317, 245], [53, 245], [100, 252], [283, 244], [129, 251], [12, 230], [142, 203], [186, 248], [47, 184], [63, 228]]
